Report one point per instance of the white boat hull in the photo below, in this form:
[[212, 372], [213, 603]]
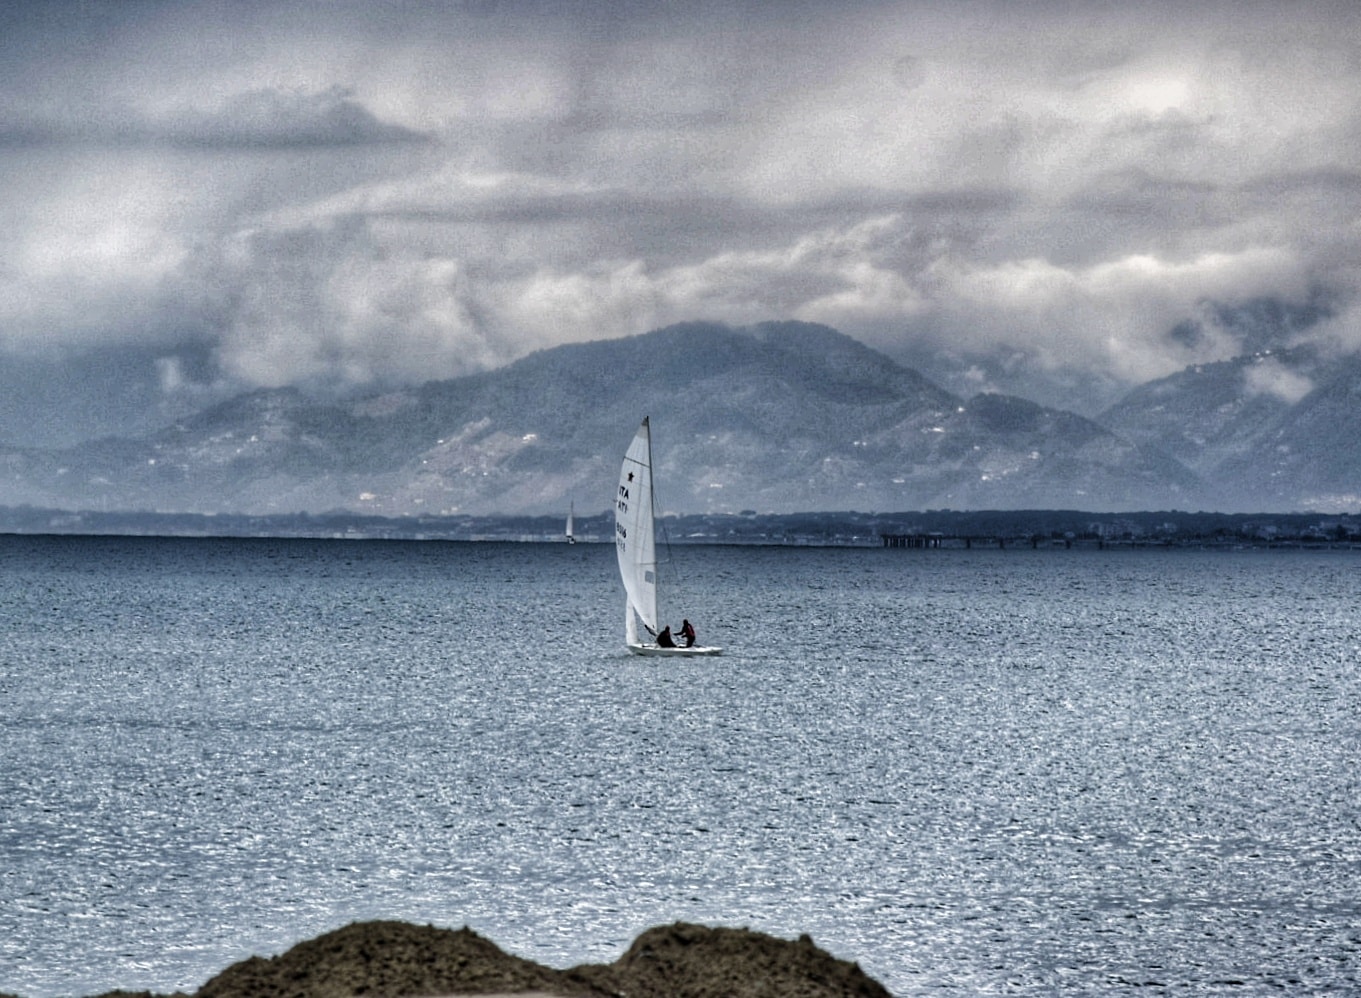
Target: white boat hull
[[639, 649]]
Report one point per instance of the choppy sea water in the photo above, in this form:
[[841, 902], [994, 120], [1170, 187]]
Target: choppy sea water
[[978, 772]]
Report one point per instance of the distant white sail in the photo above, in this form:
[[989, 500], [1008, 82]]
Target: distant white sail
[[571, 531]]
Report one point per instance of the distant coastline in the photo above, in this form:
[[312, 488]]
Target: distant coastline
[[925, 529]]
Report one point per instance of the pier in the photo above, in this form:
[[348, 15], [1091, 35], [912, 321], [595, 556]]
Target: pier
[[911, 540], [941, 540], [969, 541]]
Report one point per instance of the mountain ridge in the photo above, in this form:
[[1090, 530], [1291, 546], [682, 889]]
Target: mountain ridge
[[777, 417]]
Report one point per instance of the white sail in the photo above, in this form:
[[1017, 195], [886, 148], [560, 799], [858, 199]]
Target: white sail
[[571, 530], [636, 544], [633, 534]]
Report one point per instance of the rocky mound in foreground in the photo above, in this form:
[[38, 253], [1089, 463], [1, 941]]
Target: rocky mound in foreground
[[692, 961], [393, 959]]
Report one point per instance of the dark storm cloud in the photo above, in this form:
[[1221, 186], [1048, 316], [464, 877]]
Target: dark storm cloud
[[258, 119]]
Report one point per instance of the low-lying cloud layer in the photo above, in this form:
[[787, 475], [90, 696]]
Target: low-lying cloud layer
[[343, 194]]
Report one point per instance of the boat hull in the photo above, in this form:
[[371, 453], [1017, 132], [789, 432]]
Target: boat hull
[[639, 649]]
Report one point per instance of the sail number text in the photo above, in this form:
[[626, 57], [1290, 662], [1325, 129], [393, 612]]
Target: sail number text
[[621, 504]]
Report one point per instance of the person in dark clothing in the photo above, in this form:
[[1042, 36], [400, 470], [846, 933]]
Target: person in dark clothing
[[664, 639], [688, 633]]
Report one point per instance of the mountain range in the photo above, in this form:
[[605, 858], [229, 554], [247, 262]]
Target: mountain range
[[775, 417]]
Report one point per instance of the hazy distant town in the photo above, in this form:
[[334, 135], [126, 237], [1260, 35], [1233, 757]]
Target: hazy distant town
[[926, 529]]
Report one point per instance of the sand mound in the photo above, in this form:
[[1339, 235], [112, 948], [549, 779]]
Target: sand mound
[[394, 959]]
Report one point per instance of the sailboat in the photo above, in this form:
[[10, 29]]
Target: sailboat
[[636, 544], [570, 532]]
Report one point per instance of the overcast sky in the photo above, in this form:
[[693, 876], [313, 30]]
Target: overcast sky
[[258, 194]]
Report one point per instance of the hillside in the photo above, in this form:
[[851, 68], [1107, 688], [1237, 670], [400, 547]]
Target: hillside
[[778, 417], [1271, 430]]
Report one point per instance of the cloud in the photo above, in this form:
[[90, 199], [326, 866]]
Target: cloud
[[1113, 315], [396, 192], [1268, 376], [87, 257], [331, 307], [273, 117], [597, 304], [261, 118], [1339, 334]]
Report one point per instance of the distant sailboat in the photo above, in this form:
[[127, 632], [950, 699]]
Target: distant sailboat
[[571, 532], [636, 545]]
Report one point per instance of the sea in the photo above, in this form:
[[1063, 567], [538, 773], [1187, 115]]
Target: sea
[[973, 772]]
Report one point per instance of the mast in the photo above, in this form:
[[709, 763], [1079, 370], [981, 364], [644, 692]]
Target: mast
[[634, 539]]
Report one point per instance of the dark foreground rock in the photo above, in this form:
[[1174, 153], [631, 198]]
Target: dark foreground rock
[[395, 959], [386, 959], [693, 961]]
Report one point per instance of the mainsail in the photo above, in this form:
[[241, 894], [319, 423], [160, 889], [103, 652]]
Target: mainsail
[[633, 534]]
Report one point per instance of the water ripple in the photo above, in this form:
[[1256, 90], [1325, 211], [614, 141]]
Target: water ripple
[[1019, 773]]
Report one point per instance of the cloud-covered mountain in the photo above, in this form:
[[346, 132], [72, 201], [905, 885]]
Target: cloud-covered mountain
[[1275, 430], [776, 417], [1209, 332]]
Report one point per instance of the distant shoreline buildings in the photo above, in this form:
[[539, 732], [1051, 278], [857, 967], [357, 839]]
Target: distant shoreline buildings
[[930, 529]]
